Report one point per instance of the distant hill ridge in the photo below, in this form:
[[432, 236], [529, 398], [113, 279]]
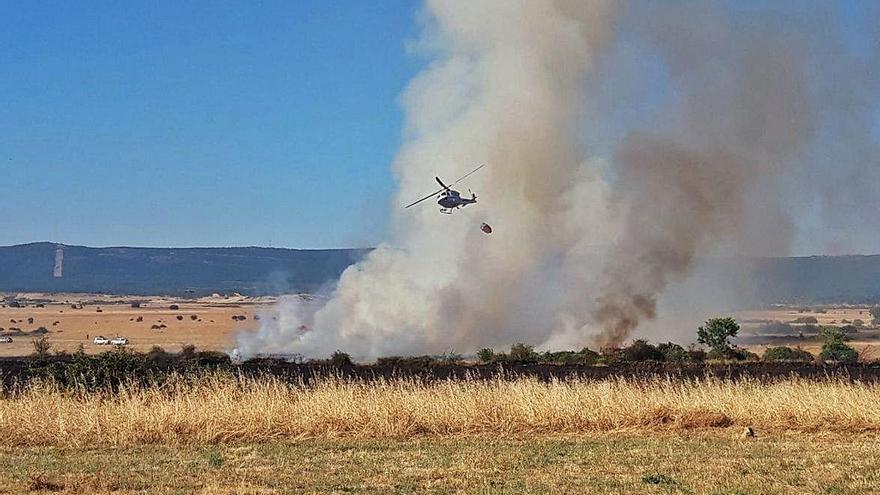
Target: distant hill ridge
[[147, 271], [262, 271]]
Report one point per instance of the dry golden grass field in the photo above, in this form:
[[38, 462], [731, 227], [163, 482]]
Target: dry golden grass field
[[222, 434], [229, 435], [212, 329]]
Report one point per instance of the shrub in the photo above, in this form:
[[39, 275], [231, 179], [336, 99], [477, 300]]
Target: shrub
[[179, 317], [583, 357], [839, 352], [858, 322], [835, 347], [135, 304], [522, 353], [589, 356], [611, 355], [673, 353], [174, 307], [486, 355], [849, 329], [716, 355], [450, 357], [193, 317], [139, 318], [641, 350], [31, 320], [188, 351], [157, 353], [833, 335], [340, 359], [407, 362], [41, 347], [782, 353]]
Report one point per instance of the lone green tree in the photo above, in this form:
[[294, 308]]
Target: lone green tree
[[716, 334]]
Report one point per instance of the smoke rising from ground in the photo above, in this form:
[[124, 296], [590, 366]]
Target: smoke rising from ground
[[608, 180]]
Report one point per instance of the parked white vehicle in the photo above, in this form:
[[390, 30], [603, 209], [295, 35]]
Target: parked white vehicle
[[119, 341], [101, 340], [5, 340]]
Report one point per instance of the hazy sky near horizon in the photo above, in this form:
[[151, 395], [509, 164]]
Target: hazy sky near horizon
[[211, 124], [201, 124]]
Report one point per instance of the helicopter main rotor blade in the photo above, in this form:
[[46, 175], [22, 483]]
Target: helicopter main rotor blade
[[425, 198], [444, 186], [465, 176]]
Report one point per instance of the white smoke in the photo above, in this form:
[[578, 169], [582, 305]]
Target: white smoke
[[502, 90]]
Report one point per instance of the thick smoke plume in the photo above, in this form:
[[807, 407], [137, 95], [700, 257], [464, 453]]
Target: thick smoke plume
[[625, 142]]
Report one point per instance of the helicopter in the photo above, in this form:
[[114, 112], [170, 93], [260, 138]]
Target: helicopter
[[448, 198]]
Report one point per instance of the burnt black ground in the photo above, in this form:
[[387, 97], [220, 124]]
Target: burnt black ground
[[99, 371]]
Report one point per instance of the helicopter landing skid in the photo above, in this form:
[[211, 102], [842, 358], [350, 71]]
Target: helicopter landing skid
[[447, 211]]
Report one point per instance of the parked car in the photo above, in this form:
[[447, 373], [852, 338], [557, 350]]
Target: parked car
[[5, 340], [101, 340], [119, 341]]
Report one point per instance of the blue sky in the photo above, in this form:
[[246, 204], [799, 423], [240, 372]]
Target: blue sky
[[171, 123]]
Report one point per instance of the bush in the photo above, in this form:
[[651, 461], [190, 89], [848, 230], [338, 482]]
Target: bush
[[41, 347], [188, 351], [179, 318], [782, 353], [450, 357], [193, 317], [641, 350], [611, 355], [716, 355], [673, 353], [174, 307], [849, 329], [340, 359], [833, 335], [835, 347], [407, 362], [486, 355], [583, 357], [858, 322], [839, 352], [135, 305], [157, 353], [522, 353]]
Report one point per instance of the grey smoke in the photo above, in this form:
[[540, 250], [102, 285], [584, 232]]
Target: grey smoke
[[607, 183]]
